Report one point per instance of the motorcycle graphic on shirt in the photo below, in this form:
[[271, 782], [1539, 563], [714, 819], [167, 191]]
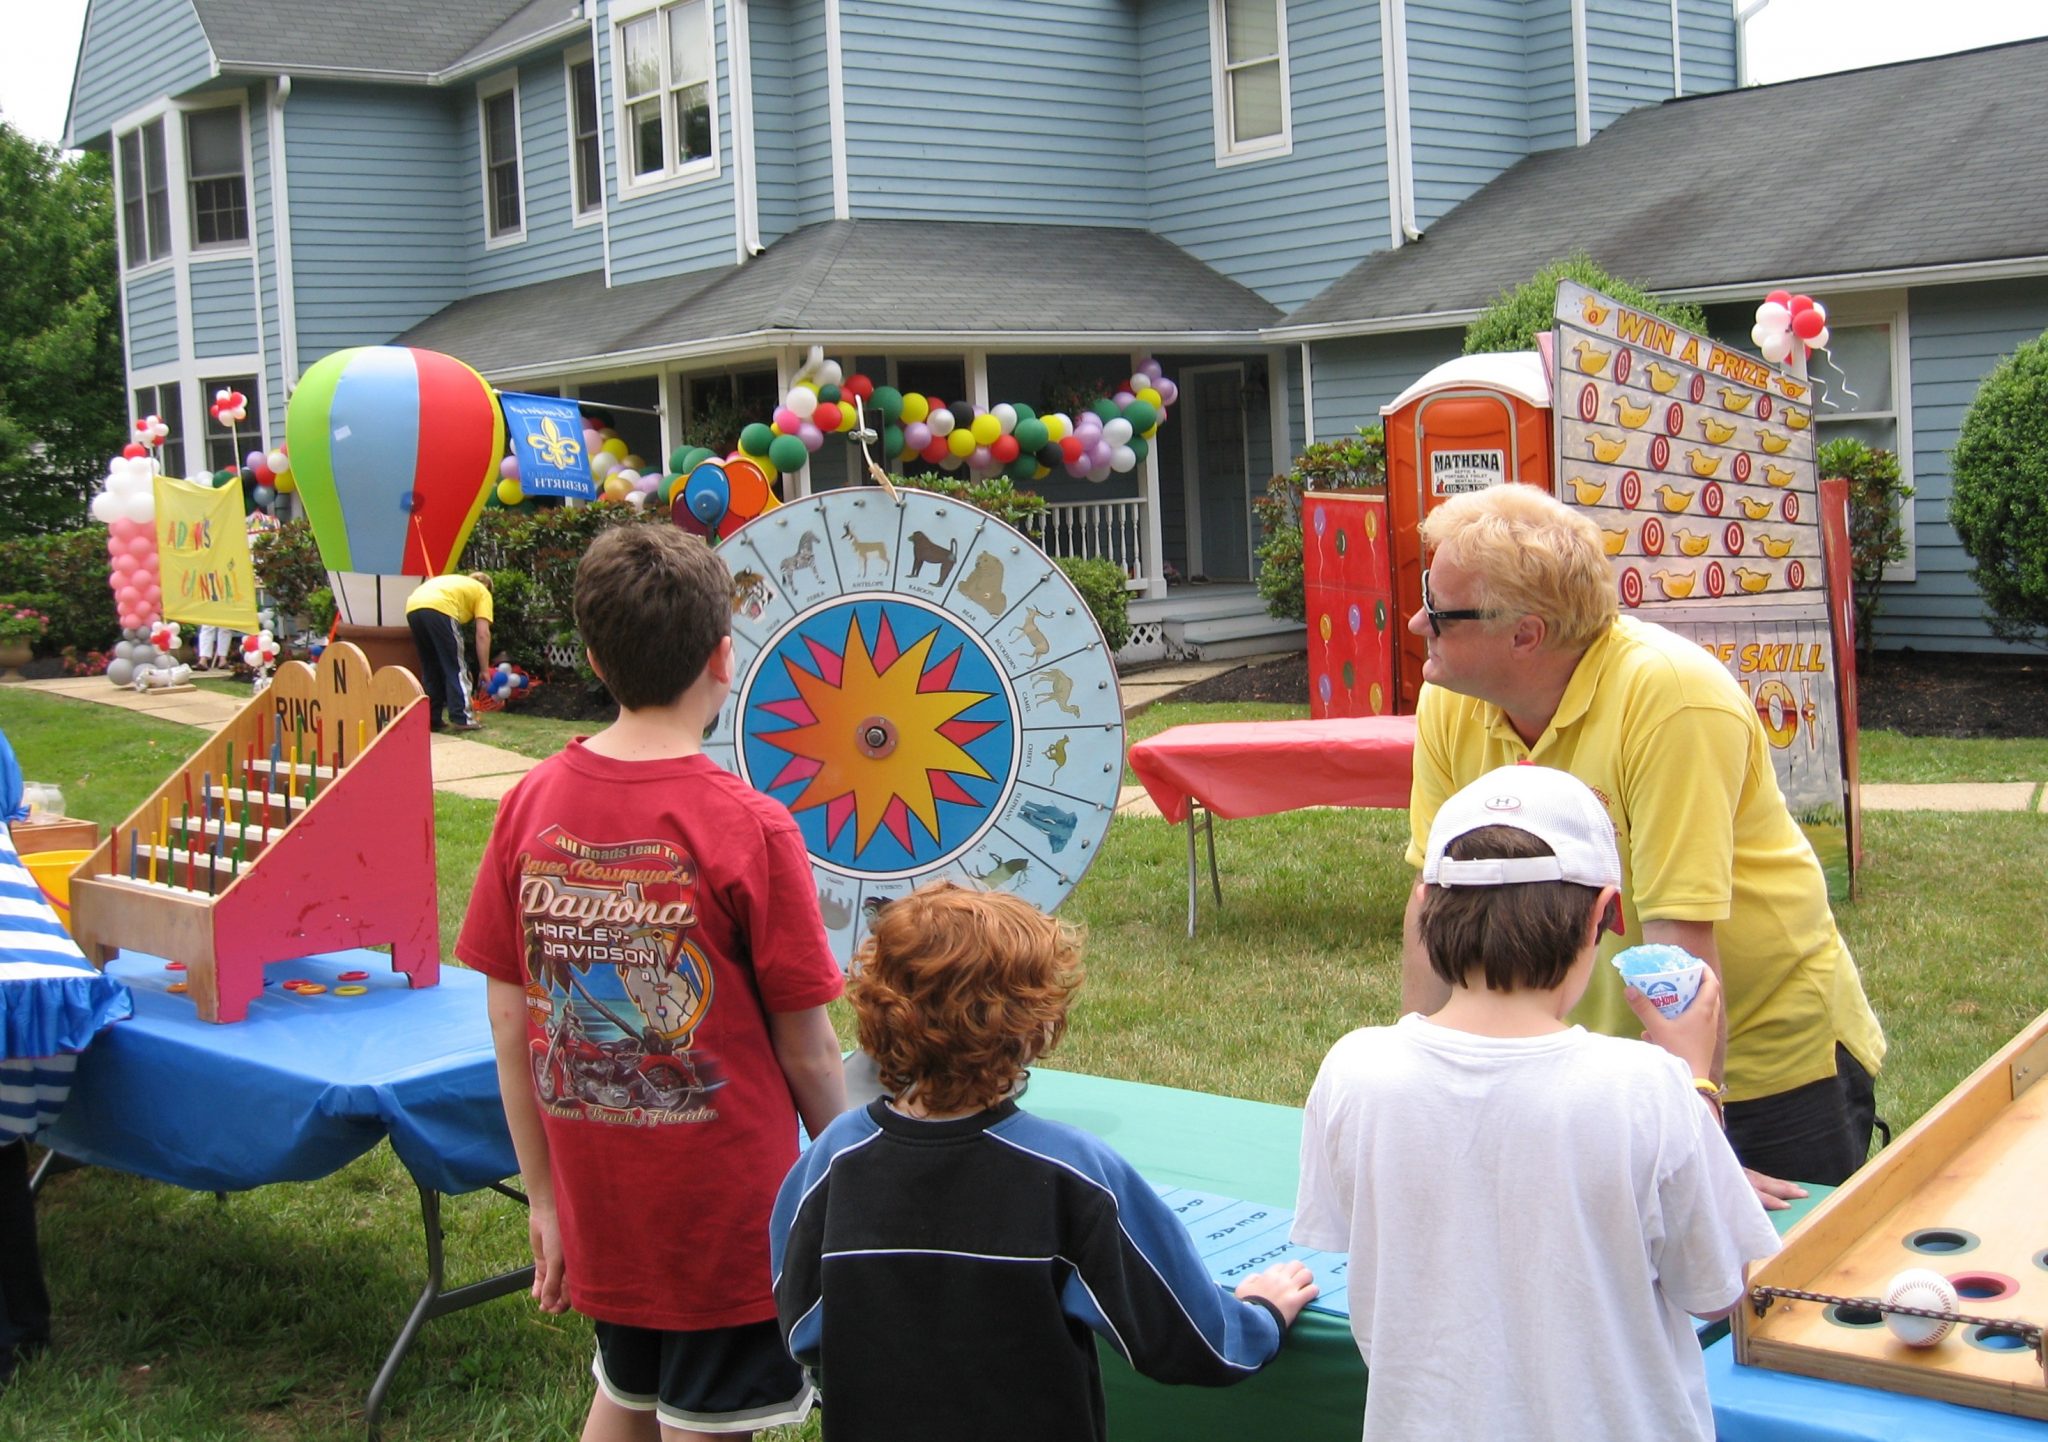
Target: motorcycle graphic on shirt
[[615, 987]]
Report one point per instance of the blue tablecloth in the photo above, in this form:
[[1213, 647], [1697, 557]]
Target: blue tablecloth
[[302, 1087], [1755, 1405]]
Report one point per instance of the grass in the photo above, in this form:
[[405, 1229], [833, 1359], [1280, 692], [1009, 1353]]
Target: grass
[[182, 1317], [1888, 756]]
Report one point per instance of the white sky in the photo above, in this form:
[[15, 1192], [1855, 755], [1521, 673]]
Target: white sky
[[1787, 38]]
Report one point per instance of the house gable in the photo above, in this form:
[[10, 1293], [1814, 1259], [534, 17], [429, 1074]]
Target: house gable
[[132, 54]]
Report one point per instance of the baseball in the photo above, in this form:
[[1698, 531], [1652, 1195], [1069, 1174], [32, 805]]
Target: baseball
[[1919, 1287]]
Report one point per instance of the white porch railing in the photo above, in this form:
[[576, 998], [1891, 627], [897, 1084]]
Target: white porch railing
[[1113, 530]]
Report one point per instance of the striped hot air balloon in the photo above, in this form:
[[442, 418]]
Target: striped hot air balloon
[[394, 450]]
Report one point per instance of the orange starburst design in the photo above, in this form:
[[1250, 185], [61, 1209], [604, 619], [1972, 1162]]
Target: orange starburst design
[[878, 737]]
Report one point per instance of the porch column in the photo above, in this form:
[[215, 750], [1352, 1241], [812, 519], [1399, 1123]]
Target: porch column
[[1154, 547]]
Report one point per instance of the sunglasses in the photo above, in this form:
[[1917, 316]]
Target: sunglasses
[[1437, 618]]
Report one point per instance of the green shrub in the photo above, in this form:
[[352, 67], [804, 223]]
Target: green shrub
[[2000, 466], [1101, 584], [520, 633], [1516, 316], [1357, 462], [319, 611], [69, 569], [1877, 525], [289, 568]]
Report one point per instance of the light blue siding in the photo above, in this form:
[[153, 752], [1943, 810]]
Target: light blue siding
[[1547, 70], [223, 308], [133, 52], [379, 218], [771, 42], [1356, 376], [810, 115], [1706, 45], [152, 302], [1467, 103], [263, 231], [553, 246], [1628, 57], [1957, 334], [1289, 225], [681, 227]]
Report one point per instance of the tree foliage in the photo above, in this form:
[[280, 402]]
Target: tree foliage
[[62, 406], [1516, 316], [1999, 504], [1877, 522]]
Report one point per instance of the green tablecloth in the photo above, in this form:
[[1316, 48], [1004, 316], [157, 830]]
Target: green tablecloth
[[1315, 1390]]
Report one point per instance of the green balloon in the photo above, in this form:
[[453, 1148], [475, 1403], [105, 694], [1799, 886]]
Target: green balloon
[[889, 401], [679, 458], [1142, 415], [1022, 469], [1139, 446], [1106, 408], [828, 393], [1031, 434], [787, 453], [756, 438], [1024, 412], [892, 441], [694, 457]]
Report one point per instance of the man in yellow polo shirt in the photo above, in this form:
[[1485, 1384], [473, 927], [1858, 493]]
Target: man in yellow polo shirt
[[1529, 660], [437, 610]]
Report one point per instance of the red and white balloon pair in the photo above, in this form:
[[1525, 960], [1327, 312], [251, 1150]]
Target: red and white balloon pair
[[229, 407], [1785, 320]]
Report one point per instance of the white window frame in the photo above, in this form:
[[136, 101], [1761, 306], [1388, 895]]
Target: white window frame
[[673, 171], [486, 92], [130, 263], [1883, 308], [1230, 151], [220, 247], [579, 56]]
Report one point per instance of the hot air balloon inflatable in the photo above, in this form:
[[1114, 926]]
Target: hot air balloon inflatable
[[394, 450]]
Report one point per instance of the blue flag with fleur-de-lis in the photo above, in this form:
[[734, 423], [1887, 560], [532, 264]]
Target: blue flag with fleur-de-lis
[[546, 434]]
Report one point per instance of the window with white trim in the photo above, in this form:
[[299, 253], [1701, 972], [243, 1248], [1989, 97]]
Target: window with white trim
[[218, 181], [1859, 397], [145, 195], [167, 403], [498, 130], [586, 156], [1249, 65], [228, 446], [667, 96]]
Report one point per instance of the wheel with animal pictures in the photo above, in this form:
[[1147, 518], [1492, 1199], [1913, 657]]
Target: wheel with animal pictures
[[927, 693]]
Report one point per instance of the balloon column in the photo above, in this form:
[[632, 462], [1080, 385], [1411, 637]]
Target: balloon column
[[393, 451], [127, 504], [1785, 320]]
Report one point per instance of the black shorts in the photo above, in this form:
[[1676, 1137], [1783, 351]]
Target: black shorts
[[727, 1379]]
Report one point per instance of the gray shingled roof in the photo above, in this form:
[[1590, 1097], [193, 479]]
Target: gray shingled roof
[[1931, 162], [402, 38], [915, 278]]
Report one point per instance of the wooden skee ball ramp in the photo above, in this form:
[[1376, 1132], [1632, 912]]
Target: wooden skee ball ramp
[[1961, 1193], [304, 825]]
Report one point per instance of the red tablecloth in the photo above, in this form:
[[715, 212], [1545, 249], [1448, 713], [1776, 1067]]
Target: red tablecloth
[[1257, 768]]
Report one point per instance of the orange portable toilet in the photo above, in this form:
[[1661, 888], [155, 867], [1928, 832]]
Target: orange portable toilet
[[1473, 422]]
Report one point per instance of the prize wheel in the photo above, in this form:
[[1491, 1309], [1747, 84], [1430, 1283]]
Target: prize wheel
[[927, 693]]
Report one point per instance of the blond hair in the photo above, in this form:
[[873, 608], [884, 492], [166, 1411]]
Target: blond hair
[[1529, 555]]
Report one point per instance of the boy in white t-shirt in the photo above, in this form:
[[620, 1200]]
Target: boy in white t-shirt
[[1531, 1209]]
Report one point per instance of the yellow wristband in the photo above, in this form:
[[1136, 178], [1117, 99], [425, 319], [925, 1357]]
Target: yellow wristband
[[1707, 1088]]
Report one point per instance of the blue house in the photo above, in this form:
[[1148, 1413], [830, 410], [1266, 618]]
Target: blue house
[[659, 208]]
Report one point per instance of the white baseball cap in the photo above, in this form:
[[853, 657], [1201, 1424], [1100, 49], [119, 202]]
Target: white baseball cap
[[1554, 806]]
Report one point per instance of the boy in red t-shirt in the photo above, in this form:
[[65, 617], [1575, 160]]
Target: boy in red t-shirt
[[659, 977]]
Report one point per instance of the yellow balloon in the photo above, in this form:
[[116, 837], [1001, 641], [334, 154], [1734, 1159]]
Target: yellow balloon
[[509, 493], [1055, 428], [615, 489], [960, 441], [1151, 397], [987, 430], [915, 408], [615, 446], [768, 467], [285, 483], [847, 416], [634, 463]]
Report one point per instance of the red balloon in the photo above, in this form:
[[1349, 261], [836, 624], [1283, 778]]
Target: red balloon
[[134, 449], [1780, 297], [936, 404], [859, 385], [826, 416], [1004, 449], [1801, 303], [1806, 324], [1071, 448], [937, 451]]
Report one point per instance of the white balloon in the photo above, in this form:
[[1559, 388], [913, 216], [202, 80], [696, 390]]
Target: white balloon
[[105, 507], [803, 400], [1006, 417], [1820, 342], [1759, 333], [940, 422], [829, 374], [1117, 432], [1778, 347], [1122, 459], [1773, 315], [636, 499]]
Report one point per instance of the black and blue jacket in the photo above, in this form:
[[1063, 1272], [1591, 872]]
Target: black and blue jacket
[[944, 1280]]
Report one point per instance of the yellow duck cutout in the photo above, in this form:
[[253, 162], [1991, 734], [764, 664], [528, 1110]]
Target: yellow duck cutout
[[1661, 380], [1752, 580], [1605, 447], [1702, 463], [1674, 501], [1718, 432], [1779, 476], [1691, 544], [1592, 360], [1586, 492], [1631, 416], [1771, 441], [1795, 418], [1677, 585], [1612, 541], [1776, 547], [1595, 313], [1736, 400], [1755, 510]]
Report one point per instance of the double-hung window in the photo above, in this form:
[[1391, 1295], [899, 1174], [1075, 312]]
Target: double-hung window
[[498, 124], [213, 169], [228, 446], [586, 158], [145, 195], [667, 94], [167, 403], [1248, 43], [1859, 396]]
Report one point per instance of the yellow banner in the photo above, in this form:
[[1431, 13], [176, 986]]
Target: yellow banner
[[203, 555]]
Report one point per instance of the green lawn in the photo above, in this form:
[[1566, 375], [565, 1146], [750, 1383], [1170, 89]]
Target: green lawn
[[180, 1317]]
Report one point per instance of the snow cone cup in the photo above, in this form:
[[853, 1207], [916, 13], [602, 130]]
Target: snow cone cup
[[1668, 975]]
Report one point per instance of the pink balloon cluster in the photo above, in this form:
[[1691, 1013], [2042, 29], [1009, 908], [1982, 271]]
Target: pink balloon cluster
[[127, 503], [1785, 320]]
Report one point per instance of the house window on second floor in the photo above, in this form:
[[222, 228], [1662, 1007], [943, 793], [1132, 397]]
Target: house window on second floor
[[586, 157], [1249, 45], [667, 104], [227, 447], [504, 213], [145, 195], [213, 166]]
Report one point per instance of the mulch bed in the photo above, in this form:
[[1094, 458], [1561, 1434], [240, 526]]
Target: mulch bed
[[1916, 693]]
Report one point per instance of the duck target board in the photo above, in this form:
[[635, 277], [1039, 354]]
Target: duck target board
[[926, 692]]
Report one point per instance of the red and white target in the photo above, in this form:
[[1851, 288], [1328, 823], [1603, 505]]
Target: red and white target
[[1674, 418], [1624, 364], [1763, 407], [1789, 507], [1631, 587], [1712, 498], [1717, 579], [1795, 575], [1589, 403], [1660, 452], [1731, 539], [1743, 466], [1699, 389], [1653, 537], [1631, 490]]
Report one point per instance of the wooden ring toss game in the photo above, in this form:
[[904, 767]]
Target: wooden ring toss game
[[1959, 1194], [304, 825]]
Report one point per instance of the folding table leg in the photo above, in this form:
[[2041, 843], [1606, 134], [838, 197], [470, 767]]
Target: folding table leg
[[1208, 824]]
